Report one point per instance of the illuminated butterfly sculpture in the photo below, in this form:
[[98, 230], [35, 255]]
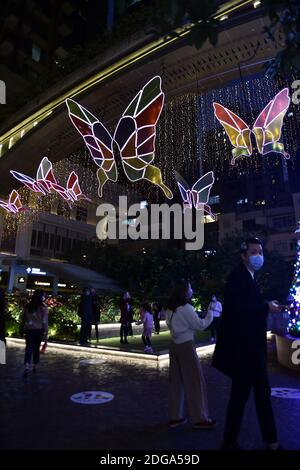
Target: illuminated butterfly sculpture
[[266, 129], [45, 182], [13, 205], [73, 191], [134, 136], [198, 194]]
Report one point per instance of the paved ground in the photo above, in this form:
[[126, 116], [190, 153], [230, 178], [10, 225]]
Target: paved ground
[[37, 413]]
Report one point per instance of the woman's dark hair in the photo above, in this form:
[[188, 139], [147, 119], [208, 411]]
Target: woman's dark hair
[[146, 306], [36, 300], [84, 290], [123, 301], [178, 295], [156, 306]]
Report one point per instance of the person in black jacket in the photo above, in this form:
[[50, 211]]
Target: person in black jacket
[[126, 317], [95, 315], [241, 347], [85, 312], [156, 309]]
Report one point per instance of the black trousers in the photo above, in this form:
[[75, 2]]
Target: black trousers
[[240, 391], [33, 339], [214, 327], [146, 341], [84, 332], [123, 332], [96, 331]]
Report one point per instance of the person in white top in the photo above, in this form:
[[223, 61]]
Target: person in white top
[[147, 320], [215, 307], [185, 373]]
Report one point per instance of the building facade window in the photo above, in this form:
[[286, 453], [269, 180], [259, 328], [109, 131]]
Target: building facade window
[[51, 241], [280, 246], [283, 221], [8, 242], [249, 224]]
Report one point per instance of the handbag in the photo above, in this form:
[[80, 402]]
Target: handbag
[[43, 348]]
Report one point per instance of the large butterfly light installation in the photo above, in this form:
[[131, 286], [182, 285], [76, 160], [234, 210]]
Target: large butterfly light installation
[[198, 194], [13, 205], [134, 136], [266, 129], [45, 183]]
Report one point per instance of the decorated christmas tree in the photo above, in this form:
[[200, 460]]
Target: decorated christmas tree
[[294, 308]]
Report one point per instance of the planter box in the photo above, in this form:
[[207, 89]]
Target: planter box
[[288, 351]]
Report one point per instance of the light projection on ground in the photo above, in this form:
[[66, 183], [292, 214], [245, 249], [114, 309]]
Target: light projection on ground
[[92, 398]]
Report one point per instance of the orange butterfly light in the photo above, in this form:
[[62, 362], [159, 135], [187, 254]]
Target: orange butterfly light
[[13, 205], [266, 129]]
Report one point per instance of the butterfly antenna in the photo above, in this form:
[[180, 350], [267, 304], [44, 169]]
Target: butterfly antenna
[[163, 70]]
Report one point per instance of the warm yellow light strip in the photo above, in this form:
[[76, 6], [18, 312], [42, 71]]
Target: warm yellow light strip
[[9, 138]]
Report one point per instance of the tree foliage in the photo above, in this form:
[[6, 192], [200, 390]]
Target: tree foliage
[[149, 275], [284, 15]]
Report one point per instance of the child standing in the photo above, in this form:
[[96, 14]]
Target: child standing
[[147, 320]]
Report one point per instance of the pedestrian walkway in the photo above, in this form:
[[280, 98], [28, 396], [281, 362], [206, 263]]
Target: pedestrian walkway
[[37, 412], [134, 351]]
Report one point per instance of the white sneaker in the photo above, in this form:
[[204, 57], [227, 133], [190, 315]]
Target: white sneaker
[[149, 350], [212, 340], [146, 348]]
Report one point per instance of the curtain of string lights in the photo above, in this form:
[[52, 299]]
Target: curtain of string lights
[[176, 149]]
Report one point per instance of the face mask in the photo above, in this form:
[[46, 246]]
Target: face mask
[[256, 262]]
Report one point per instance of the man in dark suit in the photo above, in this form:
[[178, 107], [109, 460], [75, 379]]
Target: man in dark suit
[[241, 348]]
